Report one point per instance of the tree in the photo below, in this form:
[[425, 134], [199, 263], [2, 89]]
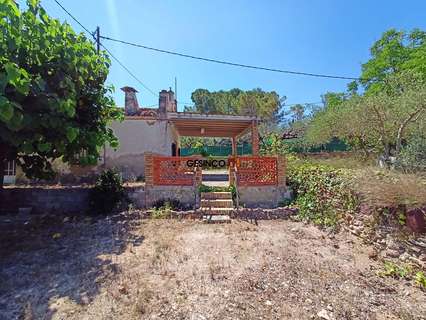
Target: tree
[[254, 102], [392, 104], [396, 51], [53, 99], [297, 112]]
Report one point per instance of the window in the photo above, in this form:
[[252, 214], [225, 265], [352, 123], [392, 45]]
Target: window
[[10, 169]]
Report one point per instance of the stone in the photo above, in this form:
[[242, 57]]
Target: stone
[[324, 314], [372, 253], [392, 245], [392, 253], [268, 303], [404, 257]]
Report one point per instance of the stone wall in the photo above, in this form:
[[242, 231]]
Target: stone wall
[[187, 195], [262, 196], [71, 200]]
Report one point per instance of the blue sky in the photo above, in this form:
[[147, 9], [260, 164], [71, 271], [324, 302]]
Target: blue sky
[[318, 36]]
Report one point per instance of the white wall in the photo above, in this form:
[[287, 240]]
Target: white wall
[[137, 137]]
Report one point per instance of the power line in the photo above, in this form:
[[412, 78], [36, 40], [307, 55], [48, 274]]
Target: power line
[[107, 50], [304, 103], [128, 71], [318, 75], [74, 18]]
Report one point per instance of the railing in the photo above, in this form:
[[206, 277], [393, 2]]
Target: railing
[[172, 171], [256, 171]]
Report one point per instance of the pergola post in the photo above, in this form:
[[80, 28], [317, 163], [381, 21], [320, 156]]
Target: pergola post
[[254, 138], [234, 146]]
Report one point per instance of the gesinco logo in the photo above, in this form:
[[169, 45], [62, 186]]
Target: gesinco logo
[[207, 163]]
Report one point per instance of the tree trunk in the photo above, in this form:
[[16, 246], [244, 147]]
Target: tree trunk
[[401, 129]]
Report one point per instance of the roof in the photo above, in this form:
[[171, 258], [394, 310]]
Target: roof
[[210, 125], [292, 133]]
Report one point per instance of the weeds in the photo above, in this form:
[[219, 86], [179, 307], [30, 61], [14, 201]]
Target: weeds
[[393, 270], [162, 212], [420, 279]]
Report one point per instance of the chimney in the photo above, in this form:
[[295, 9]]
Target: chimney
[[167, 101], [131, 106]]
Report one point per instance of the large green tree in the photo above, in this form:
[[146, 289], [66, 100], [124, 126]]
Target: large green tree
[[256, 102], [53, 99], [391, 107]]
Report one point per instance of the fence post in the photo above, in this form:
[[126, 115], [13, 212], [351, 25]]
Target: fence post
[[149, 169], [281, 168]]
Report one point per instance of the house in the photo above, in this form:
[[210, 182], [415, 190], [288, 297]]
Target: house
[[158, 131]]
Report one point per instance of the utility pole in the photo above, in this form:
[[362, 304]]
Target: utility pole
[[98, 40], [98, 46], [176, 88]]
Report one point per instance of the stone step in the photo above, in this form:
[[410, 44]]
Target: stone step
[[217, 219], [217, 203], [216, 195], [215, 177], [216, 211]]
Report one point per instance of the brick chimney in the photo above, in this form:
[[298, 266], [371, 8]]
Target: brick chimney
[[167, 101], [131, 106]]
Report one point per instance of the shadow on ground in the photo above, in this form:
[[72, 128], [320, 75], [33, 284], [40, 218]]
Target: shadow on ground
[[69, 258]]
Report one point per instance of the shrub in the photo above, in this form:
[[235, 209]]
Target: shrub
[[161, 212], [108, 193], [172, 204], [322, 193], [413, 156]]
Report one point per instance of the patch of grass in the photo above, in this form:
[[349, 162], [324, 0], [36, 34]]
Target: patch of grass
[[406, 271], [420, 279], [393, 270], [161, 212]]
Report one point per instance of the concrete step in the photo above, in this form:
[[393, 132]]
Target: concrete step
[[216, 211], [216, 195], [215, 177], [217, 203], [217, 219]]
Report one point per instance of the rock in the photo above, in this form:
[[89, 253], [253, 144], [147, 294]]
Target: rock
[[404, 257], [422, 257], [309, 301], [324, 314], [392, 245], [372, 253], [392, 253], [268, 303]]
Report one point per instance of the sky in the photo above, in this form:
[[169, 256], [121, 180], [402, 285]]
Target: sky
[[316, 36]]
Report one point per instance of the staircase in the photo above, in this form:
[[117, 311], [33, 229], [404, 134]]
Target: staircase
[[216, 207]]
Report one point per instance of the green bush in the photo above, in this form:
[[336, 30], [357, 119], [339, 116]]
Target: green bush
[[172, 204], [108, 193], [413, 156], [322, 193]]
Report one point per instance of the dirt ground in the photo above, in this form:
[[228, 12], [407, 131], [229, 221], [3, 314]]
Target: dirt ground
[[125, 267]]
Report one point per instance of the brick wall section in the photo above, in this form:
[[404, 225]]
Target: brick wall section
[[198, 178], [149, 169], [282, 169], [254, 139]]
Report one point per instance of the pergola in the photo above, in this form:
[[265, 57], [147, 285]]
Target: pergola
[[213, 125]]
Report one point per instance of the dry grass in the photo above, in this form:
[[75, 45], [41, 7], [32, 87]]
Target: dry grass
[[167, 269], [390, 188]]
